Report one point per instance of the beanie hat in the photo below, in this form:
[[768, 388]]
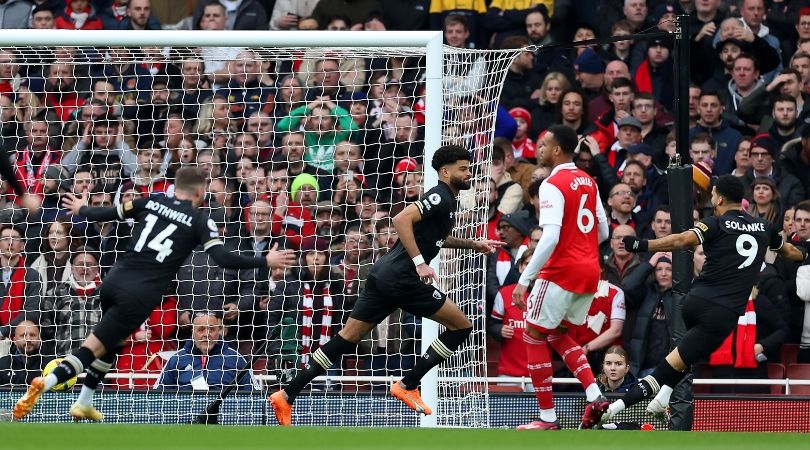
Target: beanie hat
[[589, 62], [767, 142], [518, 220], [301, 180], [523, 113]]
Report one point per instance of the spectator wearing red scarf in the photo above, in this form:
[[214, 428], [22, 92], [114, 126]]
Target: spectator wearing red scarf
[[78, 15]]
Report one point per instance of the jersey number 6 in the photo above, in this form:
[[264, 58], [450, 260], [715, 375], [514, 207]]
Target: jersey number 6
[[161, 242], [585, 219]]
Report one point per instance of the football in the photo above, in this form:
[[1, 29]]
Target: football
[[62, 386]]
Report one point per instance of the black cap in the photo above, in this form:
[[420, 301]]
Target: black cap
[[519, 220]]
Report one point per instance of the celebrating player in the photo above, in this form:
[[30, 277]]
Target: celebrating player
[[167, 230], [734, 243], [403, 279], [574, 223]]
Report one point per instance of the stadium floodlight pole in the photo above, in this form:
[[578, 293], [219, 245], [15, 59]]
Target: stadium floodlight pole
[[433, 139]]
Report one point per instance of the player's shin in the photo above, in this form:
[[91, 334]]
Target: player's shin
[[319, 362], [70, 367], [540, 371], [441, 349], [95, 374], [576, 362]]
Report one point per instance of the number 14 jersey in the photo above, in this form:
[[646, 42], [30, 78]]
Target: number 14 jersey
[[165, 233], [735, 245], [569, 198]]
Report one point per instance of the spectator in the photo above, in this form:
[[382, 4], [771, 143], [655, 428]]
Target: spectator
[[745, 78], [522, 86], [214, 119], [34, 159], [205, 362], [554, 84], [245, 94], [655, 73], [765, 201], [260, 125], [405, 16], [519, 169], [76, 303], [133, 80], [359, 11], [287, 13], [503, 265], [245, 288], [326, 79], [289, 95], [785, 124], [651, 308], [12, 262], [795, 158], [590, 73], [801, 62], [27, 357], [140, 352], [506, 323], [138, 17], [62, 91], [636, 12], [604, 324], [306, 308], [42, 17], [645, 110], [764, 150], [78, 15], [194, 89], [547, 60], [608, 129], [14, 14], [662, 222], [602, 103], [712, 122], [356, 254], [619, 262], [321, 119], [616, 376], [466, 72], [244, 15], [757, 107]]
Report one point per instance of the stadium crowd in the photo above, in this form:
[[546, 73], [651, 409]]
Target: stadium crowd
[[318, 153]]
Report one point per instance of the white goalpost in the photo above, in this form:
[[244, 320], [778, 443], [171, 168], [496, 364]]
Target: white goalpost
[[122, 112]]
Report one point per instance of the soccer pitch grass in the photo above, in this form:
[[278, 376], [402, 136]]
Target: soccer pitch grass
[[18, 436]]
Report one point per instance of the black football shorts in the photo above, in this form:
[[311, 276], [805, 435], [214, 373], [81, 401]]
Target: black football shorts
[[381, 297]]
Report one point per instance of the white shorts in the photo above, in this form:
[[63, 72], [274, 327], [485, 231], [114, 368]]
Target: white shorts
[[550, 306]]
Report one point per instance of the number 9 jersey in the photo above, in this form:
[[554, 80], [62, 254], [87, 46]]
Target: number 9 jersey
[[735, 245], [569, 198]]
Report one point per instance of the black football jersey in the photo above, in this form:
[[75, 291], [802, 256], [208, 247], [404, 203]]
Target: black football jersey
[[438, 209], [735, 245], [165, 233]]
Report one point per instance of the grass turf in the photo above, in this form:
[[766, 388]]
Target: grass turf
[[157, 437]]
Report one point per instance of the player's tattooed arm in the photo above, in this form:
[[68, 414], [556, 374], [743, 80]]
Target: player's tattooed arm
[[484, 246], [666, 244], [792, 252]]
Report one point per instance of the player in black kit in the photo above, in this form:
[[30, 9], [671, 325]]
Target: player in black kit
[[735, 244], [166, 232], [403, 279]]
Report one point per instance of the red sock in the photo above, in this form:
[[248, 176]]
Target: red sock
[[573, 357], [539, 363]]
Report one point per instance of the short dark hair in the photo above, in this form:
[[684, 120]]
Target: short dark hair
[[803, 206], [514, 42], [663, 208], [791, 71], [711, 93], [449, 154], [456, 18], [634, 162], [622, 82], [730, 187], [543, 11], [784, 98], [705, 138], [189, 178], [752, 58], [566, 137]]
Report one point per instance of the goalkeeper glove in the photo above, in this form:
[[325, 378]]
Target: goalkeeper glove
[[634, 245]]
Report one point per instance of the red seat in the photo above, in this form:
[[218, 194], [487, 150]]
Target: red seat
[[799, 372], [788, 354], [776, 371]]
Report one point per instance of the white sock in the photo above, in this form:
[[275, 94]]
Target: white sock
[[50, 381], [592, 392], [663, 395], [615, 408], [548, 415], [86, 396]]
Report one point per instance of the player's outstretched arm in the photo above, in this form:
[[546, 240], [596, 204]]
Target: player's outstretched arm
[[275, 258], [484, 246], [666, 244], [78, 207], [792, 252]]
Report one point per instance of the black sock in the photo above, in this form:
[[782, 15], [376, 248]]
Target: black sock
[[73, 364], [441, 349], [319, 362], [644, 388], [98, 369], [667, 375]]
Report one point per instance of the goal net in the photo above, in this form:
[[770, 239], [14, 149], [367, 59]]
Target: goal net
[[314, 145]]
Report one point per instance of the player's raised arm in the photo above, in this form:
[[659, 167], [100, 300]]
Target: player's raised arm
[[78, 207], [792, 252], [688, 238]]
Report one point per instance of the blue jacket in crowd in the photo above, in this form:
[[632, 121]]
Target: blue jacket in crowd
[[221, 367]]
